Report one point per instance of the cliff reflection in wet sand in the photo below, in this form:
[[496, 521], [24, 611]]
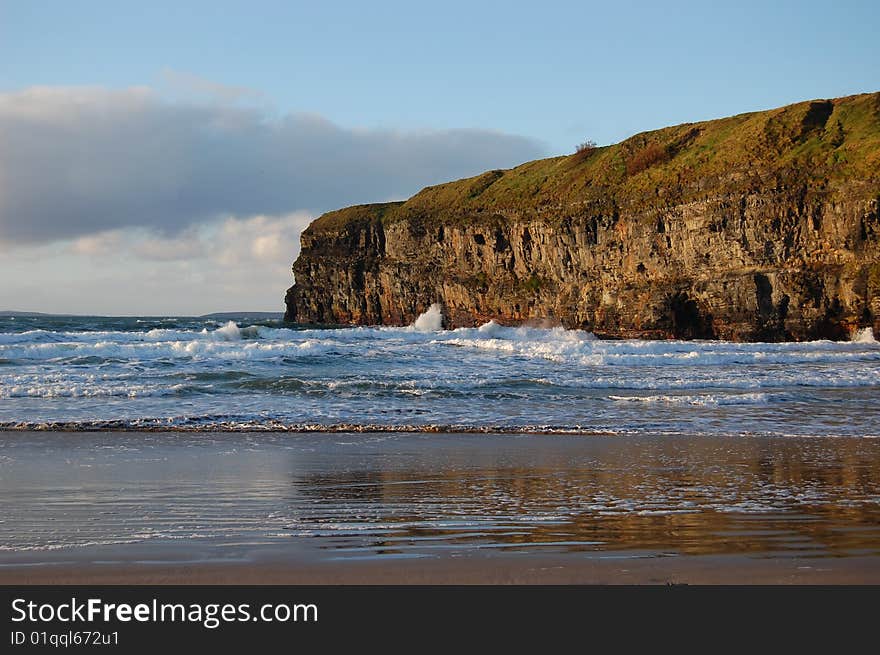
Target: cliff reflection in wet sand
[[774, 497], [216, 497]]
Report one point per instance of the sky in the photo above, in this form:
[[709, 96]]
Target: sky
[[163, 157]]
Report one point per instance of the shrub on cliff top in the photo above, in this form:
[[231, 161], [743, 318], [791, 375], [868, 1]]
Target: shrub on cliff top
[[651, 154], [586, 148]]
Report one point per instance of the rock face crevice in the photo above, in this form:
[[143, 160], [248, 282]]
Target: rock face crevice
[[760, 227]]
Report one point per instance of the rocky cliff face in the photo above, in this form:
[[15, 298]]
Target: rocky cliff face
[[763, 226]]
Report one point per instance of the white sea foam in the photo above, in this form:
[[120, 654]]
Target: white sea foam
[[703, 400], [228, 347], [229, 332], [491, 328], [525, 333], [488, 377], [578, 347], [585, 361], [87, 390], [431, 320], [865, 335]]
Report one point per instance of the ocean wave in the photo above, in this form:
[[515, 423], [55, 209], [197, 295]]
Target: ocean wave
[[65, 545], [703, 400], [559, 345], [486, 378], [226, 424], [144, 351], [567, 348], [864, 335], [553, 388], [234, 424], [92, 390]]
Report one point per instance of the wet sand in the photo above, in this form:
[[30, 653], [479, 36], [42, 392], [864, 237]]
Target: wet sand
[[725, 570], [172, 508]]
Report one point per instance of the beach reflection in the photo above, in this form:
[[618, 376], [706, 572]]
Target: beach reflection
[[103, 495], [771, 497]]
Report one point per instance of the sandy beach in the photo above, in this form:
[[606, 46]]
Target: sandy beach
[[723, 570], [171, 508]]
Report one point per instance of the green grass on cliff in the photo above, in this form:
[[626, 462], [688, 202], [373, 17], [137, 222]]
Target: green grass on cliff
[[812, 143], [339, 218]]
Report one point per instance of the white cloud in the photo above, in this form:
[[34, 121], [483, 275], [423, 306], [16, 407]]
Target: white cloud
[[95, 245], [185, 246], [259, 240], [81, 161], [233, 263], [130, 201]]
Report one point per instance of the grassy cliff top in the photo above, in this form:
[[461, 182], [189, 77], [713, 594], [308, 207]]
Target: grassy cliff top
[[339, 218], [816, 143]]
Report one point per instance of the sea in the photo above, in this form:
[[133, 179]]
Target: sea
[[180, 373], [221, 436]]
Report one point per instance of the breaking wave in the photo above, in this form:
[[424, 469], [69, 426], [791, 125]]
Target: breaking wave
[[222, 424], [703, 400], [864, 335], [430, 321], [491, 378], [232, 341]]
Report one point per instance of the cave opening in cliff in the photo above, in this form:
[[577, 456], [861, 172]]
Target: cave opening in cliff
[[688, 321]]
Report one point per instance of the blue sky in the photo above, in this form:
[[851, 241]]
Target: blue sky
[[554, 71], [140, 139]]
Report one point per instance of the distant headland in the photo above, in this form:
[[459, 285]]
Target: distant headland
[[759, 227]]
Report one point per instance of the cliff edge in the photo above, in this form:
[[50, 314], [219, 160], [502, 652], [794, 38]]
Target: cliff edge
[[763, 226]]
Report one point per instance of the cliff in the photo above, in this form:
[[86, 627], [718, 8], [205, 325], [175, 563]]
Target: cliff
[[762, 226]]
